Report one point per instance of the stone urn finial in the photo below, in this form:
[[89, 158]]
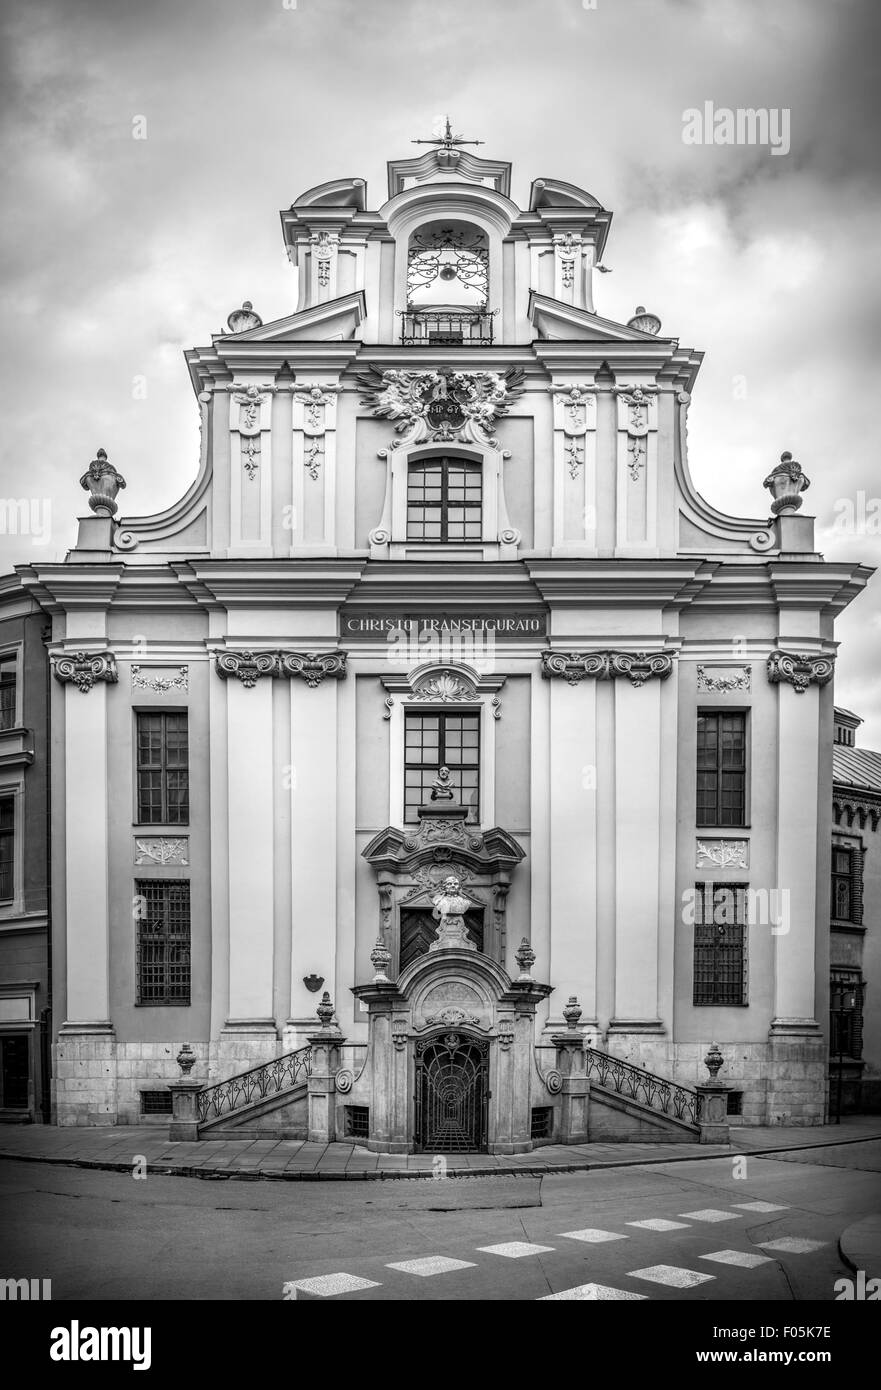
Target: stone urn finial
[[786, 482], [103, 483], [572, 1013], [325, 1010], [380, 957], [186, 1059], [240, 320], [525, 958], [714, 1061], [645, 322]]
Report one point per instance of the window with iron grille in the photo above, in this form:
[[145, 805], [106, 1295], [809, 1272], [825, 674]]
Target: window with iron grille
[[358, 1121], [842, 883], [735, 1103], [163, 769], [720, 938], [156, 1103], [542, 1122], [721, 769], [846, 1024], [8, 676], [433, 741], [444, 500], [163, 935], [7, 848]]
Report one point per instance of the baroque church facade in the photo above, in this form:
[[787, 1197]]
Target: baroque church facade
[[442, 752]]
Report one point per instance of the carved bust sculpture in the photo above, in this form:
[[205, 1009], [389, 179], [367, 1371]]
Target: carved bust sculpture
[[442, 787], [449, 904]]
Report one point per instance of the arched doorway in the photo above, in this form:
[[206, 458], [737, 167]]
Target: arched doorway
[[452, 1092]]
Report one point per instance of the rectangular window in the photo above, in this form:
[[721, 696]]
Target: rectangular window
[[163, 936], [15, 1071], [542, 1123], [846, 1014], [444, 500], [8, 675], [720, 943], [357, 1121], [721, 769], [842, 883], [156, 1103], [433, 741], [7, 848], [163, 769]]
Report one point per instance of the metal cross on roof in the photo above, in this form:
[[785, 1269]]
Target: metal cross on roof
[[448, 140]]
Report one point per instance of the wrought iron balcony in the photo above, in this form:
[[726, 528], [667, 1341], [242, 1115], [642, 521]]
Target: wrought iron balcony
[[441, 327]]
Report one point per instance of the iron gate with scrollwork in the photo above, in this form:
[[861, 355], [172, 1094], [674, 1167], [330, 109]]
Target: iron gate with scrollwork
[[452, 1093]]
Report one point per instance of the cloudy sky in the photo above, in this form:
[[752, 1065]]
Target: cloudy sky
[[119, 253]]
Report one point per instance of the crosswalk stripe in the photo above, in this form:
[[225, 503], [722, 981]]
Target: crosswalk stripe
[[710, 1214], [741, 1258], [673, 1276], [792, 1245], [590, 1234], [759, 1206], [431, 1264], [516, 1249], [330, 1285], [659, 1223], [594, 1292]]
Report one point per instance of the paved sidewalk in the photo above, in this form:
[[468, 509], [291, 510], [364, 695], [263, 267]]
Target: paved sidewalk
[[118, 1148]]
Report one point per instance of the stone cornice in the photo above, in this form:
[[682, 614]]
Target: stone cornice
[[800, 669], [625, 583], [58, 588], [83, 668], [638, 667], [249, 666], [805, 584], [289, 583]]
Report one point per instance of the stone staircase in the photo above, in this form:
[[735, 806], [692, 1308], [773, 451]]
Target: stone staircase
[[629, 1103], [268, 1101]]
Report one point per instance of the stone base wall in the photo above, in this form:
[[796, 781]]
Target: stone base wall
[[98, 1081], [782, 1081]]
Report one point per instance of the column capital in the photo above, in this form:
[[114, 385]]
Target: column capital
[[800, 669], [82, 669], [606, 665], [249, 666]]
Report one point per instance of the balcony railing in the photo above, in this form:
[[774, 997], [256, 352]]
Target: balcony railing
[[443, 327]]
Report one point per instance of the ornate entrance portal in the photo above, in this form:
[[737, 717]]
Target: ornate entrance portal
[[451, 1095]]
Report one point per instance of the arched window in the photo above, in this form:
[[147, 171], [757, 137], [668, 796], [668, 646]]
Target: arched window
[[448, 264], [444, 500]]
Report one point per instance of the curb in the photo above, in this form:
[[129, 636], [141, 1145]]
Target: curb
[[860, 1246], [183, 1170]]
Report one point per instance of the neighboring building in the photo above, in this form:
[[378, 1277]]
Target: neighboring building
[[443, 520], [855, 934], [25, 995]]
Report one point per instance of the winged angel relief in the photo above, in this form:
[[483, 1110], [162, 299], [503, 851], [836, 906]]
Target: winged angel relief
[[445, 404]]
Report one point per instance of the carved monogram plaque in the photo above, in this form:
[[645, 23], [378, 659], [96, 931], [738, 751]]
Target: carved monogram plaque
[[722, 854], [453, 997], [162, 849]]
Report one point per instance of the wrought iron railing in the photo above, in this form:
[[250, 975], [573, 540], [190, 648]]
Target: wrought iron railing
[[269, 1079], [668, 1097], [437, 327]]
